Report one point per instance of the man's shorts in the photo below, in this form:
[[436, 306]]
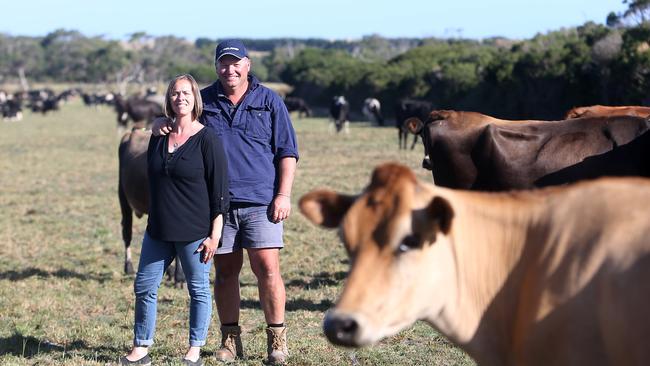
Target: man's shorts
[[249, 226]]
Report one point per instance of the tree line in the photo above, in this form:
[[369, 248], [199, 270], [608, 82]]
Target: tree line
[[539, 77]]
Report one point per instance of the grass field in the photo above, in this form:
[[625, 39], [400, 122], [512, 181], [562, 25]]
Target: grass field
[[64, 299]]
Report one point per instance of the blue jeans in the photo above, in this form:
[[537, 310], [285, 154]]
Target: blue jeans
[[155, 257]]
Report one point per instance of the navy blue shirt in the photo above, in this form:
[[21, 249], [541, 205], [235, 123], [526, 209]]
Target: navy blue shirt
[[188, 188], [256, 134]]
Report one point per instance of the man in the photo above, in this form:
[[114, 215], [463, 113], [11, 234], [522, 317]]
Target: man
[[262, 153]]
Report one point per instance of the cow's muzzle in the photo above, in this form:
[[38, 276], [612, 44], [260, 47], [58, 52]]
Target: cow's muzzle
[[343, 329]]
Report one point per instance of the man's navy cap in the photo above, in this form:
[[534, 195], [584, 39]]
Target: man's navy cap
[[233, 47]]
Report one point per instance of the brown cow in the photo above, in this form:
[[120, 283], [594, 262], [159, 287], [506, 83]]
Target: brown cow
[[608, 111], [470, 150], [133, 190], [557, 276]]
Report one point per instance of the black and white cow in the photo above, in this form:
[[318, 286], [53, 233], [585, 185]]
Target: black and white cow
[[10, 107], [97, 99], [43, 100], [339, 109], [372, 110]]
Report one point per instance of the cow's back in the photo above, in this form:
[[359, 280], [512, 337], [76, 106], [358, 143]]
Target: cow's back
[[450, 138], [608, 111], [520, 156]]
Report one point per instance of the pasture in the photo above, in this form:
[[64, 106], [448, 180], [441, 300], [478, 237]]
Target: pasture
[[64, 299]]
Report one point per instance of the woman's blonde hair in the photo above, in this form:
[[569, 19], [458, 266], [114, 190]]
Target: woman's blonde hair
[[198, 102]]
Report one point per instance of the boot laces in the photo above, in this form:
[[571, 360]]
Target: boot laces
[[277, 342]]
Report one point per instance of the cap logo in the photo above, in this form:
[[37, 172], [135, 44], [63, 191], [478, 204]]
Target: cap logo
[[230, 48]]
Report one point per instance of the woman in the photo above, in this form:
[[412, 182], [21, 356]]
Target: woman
[[188, 196]]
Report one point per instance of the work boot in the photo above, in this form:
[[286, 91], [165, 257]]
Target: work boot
[[231, 346], [276, 344]]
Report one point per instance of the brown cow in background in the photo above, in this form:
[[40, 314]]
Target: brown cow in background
[[469, 150]]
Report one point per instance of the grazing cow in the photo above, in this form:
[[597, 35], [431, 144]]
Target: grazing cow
[[141, 111], [67, 94], [608, 111], [408, 108], [469, 150], [297, 104], [133, 190], [558, 276], [90, 100], [10, 107], [97, 99], [339, 109], [43, 100], [372, 110]]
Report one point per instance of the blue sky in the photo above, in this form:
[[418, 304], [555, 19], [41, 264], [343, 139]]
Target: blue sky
[[332, 19]]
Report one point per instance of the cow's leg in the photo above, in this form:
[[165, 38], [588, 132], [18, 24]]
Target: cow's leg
[[179, 275], [415, 140], [175, 273], [122, 121], [346, 127], [400, 138], [127, 222]]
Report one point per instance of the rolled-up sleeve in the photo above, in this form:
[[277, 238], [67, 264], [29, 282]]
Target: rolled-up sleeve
[[216, 174], [284, 137]]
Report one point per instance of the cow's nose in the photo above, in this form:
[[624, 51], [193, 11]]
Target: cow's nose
[[341, 329]]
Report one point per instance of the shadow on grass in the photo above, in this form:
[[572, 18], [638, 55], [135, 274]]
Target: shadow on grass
[[60, 273], [293, 305], [29, 347], [320, 280]]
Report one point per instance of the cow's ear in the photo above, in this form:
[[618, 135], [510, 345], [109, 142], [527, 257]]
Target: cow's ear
[[324, 207], [414, 125], [440, 212]]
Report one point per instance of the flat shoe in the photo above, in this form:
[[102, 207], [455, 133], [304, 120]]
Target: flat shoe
[[198, 362], [144, 361]]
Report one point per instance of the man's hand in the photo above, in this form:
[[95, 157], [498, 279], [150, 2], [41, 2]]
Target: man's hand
[[280, 208], [161, 126]]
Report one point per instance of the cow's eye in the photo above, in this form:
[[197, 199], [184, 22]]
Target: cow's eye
[[408, 243]]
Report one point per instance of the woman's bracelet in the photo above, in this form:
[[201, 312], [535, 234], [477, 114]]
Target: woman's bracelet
[[283, 194]]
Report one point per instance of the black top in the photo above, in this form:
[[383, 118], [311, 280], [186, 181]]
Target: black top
[[188, 188]]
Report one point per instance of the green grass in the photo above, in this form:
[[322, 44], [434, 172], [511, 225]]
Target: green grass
[[65, 301]]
